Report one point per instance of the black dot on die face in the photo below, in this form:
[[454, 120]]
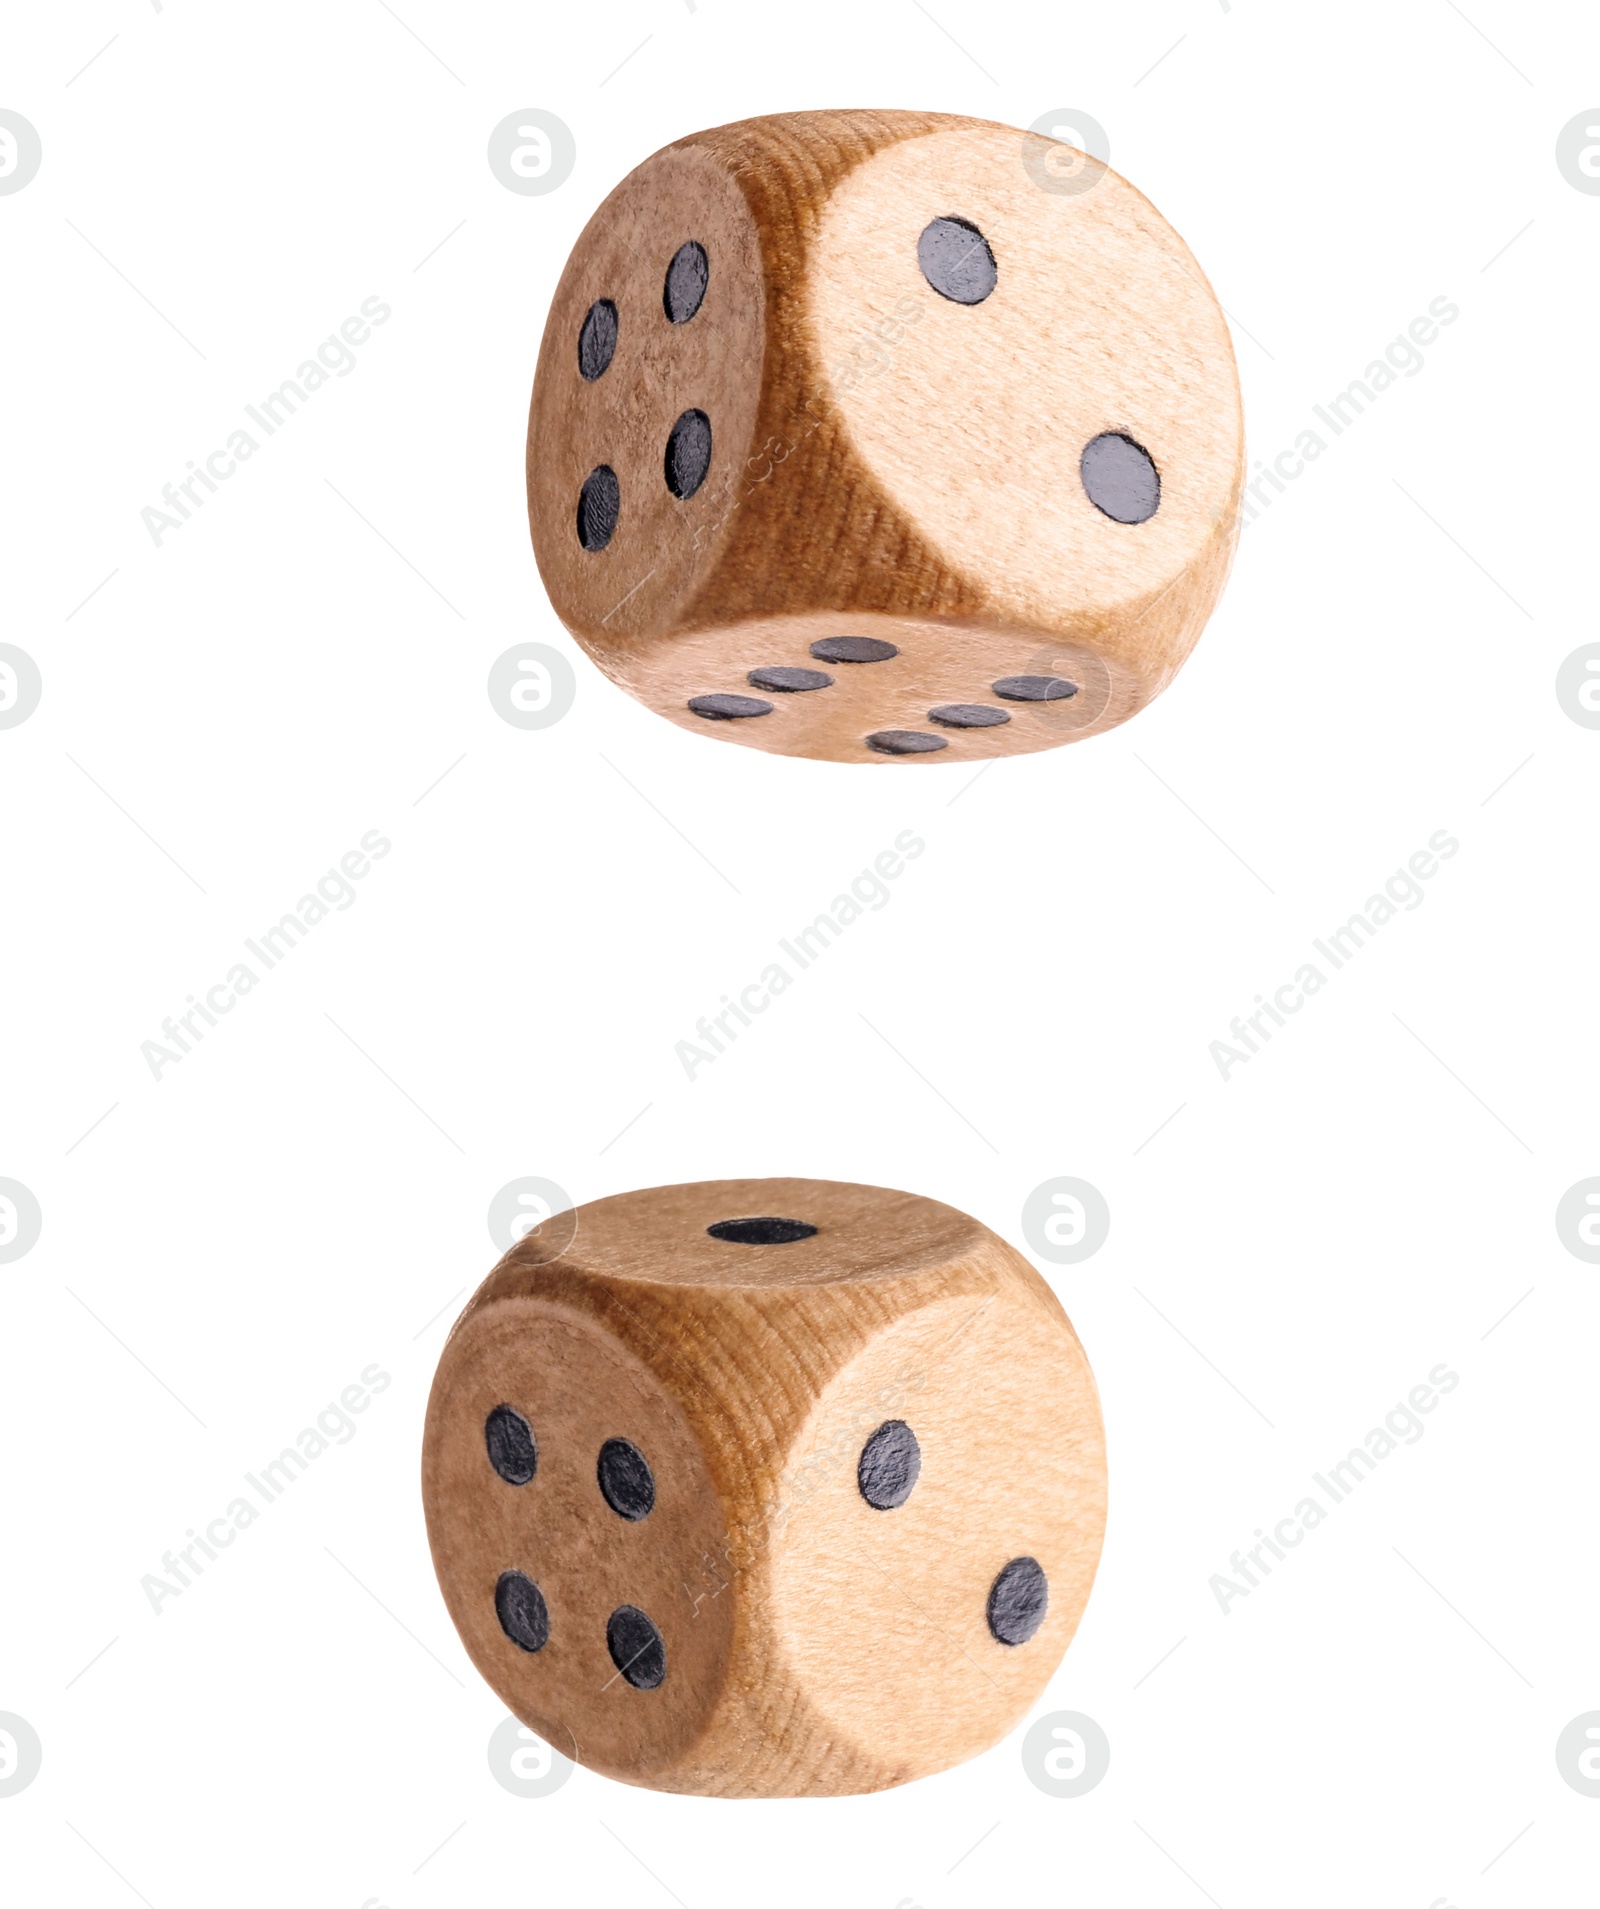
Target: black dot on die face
[[905, 742], [597, 339], [1034, 689], [688, 453], [761, 1232], [1018, 1600], [636, 1647], [853, 649], [725, 709], [890, 1464], [956, 260], [789, 681], [687, 278], [509, 1439], [524, 1616], [968, 716], [1120, 477], [599, 506], [626, 1481]]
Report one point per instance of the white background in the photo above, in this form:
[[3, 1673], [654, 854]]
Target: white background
[[230, 1245]]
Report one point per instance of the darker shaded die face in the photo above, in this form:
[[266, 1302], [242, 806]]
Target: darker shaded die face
[[686, 454], [626, 1486]]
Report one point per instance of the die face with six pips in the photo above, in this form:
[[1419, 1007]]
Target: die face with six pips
[[765, 1487], [848, 440]]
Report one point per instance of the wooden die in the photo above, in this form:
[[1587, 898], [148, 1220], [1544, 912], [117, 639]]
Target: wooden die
[[765, 1487], [854, 435]]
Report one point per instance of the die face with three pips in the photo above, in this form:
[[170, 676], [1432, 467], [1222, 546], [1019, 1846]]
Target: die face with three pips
[[851, 438], [765, 1488]]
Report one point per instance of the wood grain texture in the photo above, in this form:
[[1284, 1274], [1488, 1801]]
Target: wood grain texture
[[815, 1645], [886, 462]]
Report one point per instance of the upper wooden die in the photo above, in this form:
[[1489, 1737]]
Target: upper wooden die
[[852, 439]]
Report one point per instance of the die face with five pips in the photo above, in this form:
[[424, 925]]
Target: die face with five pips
[[851, 439], [765, 1488]]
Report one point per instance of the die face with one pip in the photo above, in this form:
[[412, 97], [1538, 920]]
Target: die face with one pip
[[854, 436], [765, 1488]]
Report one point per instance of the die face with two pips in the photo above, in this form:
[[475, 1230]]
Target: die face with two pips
[[765, 1487], [849, 439]]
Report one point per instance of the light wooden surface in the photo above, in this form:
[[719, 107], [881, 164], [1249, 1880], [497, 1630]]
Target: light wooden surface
[[814, 1644], [886, 462]]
